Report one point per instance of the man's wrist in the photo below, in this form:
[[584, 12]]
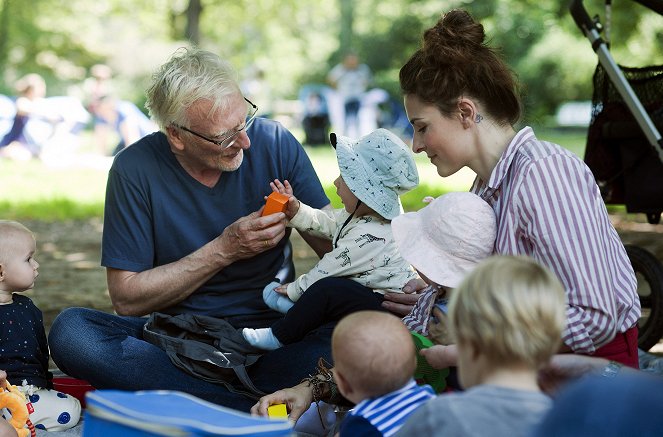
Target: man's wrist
[[222, 257]]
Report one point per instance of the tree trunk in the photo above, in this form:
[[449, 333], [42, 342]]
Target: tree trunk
[[193, 12], [4, 34], [347, 15]]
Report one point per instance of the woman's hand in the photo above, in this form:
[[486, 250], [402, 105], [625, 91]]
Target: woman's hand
[[401, 303], [441, 357], [297, 400], [438, 327]]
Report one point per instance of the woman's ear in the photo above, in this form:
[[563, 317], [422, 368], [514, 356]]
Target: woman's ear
[[468, 112]]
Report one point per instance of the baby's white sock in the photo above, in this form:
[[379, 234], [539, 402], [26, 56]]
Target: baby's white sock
[[262, 338]]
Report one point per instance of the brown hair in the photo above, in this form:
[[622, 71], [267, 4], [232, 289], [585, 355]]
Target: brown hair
[[455, 61]]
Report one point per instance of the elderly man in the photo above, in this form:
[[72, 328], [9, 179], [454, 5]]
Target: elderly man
[[183, 235]]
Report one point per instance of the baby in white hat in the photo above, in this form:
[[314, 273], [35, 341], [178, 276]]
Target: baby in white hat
[[444, 242], [375, 170]]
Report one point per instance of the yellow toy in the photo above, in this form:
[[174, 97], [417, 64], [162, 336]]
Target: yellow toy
[[13, 400], [277, 411]]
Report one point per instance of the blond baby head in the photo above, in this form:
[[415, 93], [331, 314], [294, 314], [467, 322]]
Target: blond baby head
[[511, 309]]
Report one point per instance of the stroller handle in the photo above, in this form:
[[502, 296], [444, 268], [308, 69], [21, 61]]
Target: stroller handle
[[586, 24], [614, 72], [581, 17]]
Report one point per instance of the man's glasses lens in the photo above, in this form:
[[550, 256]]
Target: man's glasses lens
[[230, 139]]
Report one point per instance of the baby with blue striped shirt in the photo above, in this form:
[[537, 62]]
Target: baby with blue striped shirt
[[374, 360]]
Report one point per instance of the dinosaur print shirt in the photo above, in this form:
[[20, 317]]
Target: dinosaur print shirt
[[364, 251]]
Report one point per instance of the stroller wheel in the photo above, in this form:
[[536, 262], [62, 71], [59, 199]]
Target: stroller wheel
[[654, 218], [649, 274]]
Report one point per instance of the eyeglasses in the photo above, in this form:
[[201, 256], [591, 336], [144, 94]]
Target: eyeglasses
[[229, 139]]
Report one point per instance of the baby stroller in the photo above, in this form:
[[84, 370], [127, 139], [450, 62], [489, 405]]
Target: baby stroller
[[625, 152], [315, 114]]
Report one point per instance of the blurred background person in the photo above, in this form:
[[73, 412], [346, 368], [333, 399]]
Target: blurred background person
[[350, 79], [17, 143], [315, 114], [98, 85], [257, 89], [120, 118]]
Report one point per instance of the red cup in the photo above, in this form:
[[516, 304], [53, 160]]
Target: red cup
[[73, 387]]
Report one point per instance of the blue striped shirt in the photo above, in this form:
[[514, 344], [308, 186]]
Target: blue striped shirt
[[548, 207], [385, 415]]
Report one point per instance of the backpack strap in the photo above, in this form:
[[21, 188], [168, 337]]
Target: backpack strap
[[185, 353]]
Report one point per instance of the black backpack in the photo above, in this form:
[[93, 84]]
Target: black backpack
[[205, 347]]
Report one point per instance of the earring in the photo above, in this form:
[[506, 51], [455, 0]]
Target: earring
[[478, 118]]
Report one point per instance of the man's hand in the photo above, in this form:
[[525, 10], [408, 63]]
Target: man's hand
[[252, 235], [297, 399], [401, 303]]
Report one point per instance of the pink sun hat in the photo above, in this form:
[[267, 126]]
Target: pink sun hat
[[446, 239]]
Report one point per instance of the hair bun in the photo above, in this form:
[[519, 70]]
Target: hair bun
[[456, 31], [455, 61]]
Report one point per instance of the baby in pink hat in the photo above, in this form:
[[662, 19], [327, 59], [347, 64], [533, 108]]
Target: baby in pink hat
[[443, 241]]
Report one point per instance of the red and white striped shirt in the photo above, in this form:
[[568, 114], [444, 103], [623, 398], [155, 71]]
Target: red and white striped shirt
[[548, 207]]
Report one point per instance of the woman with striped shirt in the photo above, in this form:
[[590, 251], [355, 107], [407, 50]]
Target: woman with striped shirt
[[462, 100]]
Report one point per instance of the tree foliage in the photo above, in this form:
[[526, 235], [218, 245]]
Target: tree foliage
[[296, 42]]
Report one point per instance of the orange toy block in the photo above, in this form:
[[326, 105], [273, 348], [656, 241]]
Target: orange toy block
[[277, 411], [276, 202]]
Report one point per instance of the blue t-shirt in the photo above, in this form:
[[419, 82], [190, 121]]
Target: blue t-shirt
[[156, 213]]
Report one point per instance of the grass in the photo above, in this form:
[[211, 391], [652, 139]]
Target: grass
[[324, 162], [34, 190], [37, 190]]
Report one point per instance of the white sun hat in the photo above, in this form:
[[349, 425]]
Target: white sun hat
[[377, 168], [446, 239]]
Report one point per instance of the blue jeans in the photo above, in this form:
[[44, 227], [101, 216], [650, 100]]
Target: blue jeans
[[108, 351]]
